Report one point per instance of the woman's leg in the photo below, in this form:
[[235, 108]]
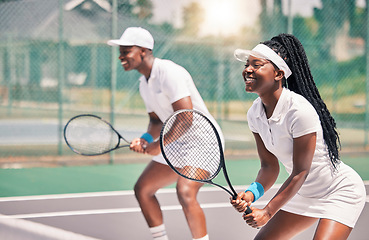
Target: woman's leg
[[284, 225], [154, 177], [187, 194], [330, 229]]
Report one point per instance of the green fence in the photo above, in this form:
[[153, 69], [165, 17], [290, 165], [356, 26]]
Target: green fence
[[55, 63]]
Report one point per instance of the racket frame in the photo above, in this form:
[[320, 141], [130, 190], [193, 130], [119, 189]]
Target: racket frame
[[101, 119], [222, 164]]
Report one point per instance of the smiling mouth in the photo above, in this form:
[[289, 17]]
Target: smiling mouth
[[124, 63], [249, 80]]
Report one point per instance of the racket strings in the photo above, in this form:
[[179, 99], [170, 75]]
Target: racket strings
[[195, 153], [90, 135]]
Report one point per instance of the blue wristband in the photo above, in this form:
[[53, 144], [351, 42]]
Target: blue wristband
[[257, 189], [147, 136]]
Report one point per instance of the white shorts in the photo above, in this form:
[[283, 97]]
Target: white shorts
[[160, 159], [193, 155], [201, 151], [343, 204]]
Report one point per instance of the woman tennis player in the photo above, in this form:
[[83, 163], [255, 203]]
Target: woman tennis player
[[291, 124], [165, 87]]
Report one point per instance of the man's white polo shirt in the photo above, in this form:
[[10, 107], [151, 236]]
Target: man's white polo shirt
[[168, 83]]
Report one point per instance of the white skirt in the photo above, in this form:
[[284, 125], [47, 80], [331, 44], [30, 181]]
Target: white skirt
[[343, 204]]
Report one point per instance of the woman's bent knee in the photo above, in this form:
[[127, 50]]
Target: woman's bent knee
[[143, 190], [187, 193]]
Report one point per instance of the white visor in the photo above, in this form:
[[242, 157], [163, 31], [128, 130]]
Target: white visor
[[263, 51]]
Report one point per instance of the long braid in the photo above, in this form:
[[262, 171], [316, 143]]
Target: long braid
[[301, 81]]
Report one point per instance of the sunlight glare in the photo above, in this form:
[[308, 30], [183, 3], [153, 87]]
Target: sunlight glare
[[220, 17]]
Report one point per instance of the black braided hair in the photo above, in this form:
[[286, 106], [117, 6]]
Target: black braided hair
[[301, 81]]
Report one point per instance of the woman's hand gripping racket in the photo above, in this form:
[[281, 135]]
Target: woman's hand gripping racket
[[192, 147], [90, 135]]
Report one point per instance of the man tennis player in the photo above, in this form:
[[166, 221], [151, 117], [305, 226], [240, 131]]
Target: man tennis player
[[165, 87]]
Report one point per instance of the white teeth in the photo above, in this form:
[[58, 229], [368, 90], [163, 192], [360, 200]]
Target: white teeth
[[124, 62], [250, 79]]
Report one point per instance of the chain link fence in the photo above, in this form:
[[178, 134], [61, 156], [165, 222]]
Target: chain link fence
[[55, 64]]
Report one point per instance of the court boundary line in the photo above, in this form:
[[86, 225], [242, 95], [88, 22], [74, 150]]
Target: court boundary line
[[105, 194], [115, 210], [117, 193], [122, 210], [16, 227], [119, 210]]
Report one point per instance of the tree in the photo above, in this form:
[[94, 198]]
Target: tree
[[331, 18], [358, 22], [192, 19], [143, 9], [124, 7], [167, 27], [272, 19]]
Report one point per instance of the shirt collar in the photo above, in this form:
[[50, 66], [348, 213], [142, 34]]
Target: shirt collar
[[154, 69], [278, 110], [153, 74], [260, 112]]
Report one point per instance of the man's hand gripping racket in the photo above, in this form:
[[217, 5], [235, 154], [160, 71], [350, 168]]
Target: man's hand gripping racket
[[90, 135], [192, 147]]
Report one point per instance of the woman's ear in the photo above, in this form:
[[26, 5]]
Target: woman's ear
[[279, 75]]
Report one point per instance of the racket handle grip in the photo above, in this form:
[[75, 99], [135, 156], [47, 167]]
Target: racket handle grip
[[248, 210]]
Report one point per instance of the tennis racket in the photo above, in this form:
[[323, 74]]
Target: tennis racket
[[90, 135], [192, 147]]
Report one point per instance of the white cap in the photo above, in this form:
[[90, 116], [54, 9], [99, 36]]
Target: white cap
[[134, 36], [263, 51]]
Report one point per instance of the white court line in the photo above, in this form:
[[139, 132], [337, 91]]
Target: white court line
[[121, 210], [23, 229], [115, 210], [103, 194], [67, 195], [106, 211], [117, 193]]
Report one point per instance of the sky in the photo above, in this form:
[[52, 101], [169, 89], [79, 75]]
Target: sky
[[227, 16], [221, 16]]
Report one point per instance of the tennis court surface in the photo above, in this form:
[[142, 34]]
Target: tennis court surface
[[87, 204]]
